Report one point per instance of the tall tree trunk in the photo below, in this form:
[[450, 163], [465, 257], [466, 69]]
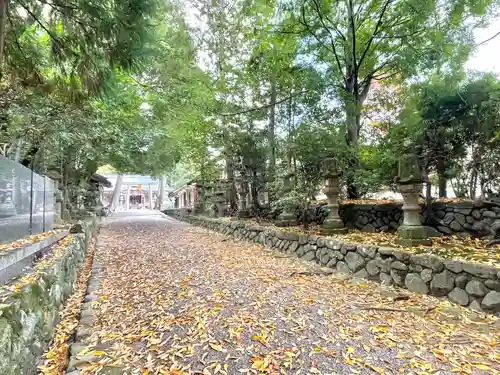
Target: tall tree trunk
[[442, 186], [115, 198], [161, 193], [233, 200], [442, 181], [65, 210], [482, 184], [352, 143], [3, 20], [428, 190], [19, 146], [306, 215], [216, 20], [254, 193], [271, 137], [351, 104]]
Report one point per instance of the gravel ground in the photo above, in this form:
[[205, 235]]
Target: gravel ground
[[176, 299]]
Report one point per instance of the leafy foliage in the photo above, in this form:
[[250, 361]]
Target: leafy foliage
[[250, 90]]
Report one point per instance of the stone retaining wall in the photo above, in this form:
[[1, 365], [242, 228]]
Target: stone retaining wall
[[468, 284], [442, 219], [29, 304], [449, 218]]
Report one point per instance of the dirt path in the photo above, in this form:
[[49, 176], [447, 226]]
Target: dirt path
[[175, 299]]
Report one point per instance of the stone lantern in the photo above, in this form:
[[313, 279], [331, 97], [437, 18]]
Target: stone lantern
[[242, 185], [333, 223], [198, 204], [220, 199], [57, 195], [410, 183], [208, 199], [287, 218], [7, 207]]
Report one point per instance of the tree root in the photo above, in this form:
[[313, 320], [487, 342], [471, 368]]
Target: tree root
[[496, 241], [425, 311], [312, 273]]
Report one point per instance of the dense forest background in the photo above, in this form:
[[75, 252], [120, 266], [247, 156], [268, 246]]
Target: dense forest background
[[251, 90]]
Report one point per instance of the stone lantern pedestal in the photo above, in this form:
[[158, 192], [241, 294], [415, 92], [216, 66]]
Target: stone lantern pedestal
[[333, 224], [287, 218], [411, 232], [220, 202]]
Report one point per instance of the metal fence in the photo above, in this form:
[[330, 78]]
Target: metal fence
[[26, 202]]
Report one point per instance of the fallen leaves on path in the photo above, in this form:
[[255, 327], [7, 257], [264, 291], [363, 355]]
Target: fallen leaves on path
[[180, 300], [56, 358]]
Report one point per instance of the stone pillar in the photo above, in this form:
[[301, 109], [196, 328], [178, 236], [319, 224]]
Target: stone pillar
[[333, 223], [127, 198], [150, 197], [287, 218], [242, 195], [410, 183]]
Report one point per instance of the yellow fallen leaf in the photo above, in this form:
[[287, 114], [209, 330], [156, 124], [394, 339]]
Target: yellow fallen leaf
[[481, 366], [217, 347], [258, 364]]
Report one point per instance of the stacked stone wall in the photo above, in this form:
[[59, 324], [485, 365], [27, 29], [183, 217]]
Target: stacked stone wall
[[466, 217], [30, 303], [465, 283], [450, 218]]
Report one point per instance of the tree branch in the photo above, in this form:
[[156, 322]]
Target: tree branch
[[381, 77], [27, 9], [333, 50], [353, 31], [304, 22], [489, 39], [264, 106], [16, 40], [321, 16], [400, 36], [375, 32], [373, 75]]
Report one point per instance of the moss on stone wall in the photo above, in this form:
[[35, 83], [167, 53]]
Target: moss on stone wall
[[29, 304]]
